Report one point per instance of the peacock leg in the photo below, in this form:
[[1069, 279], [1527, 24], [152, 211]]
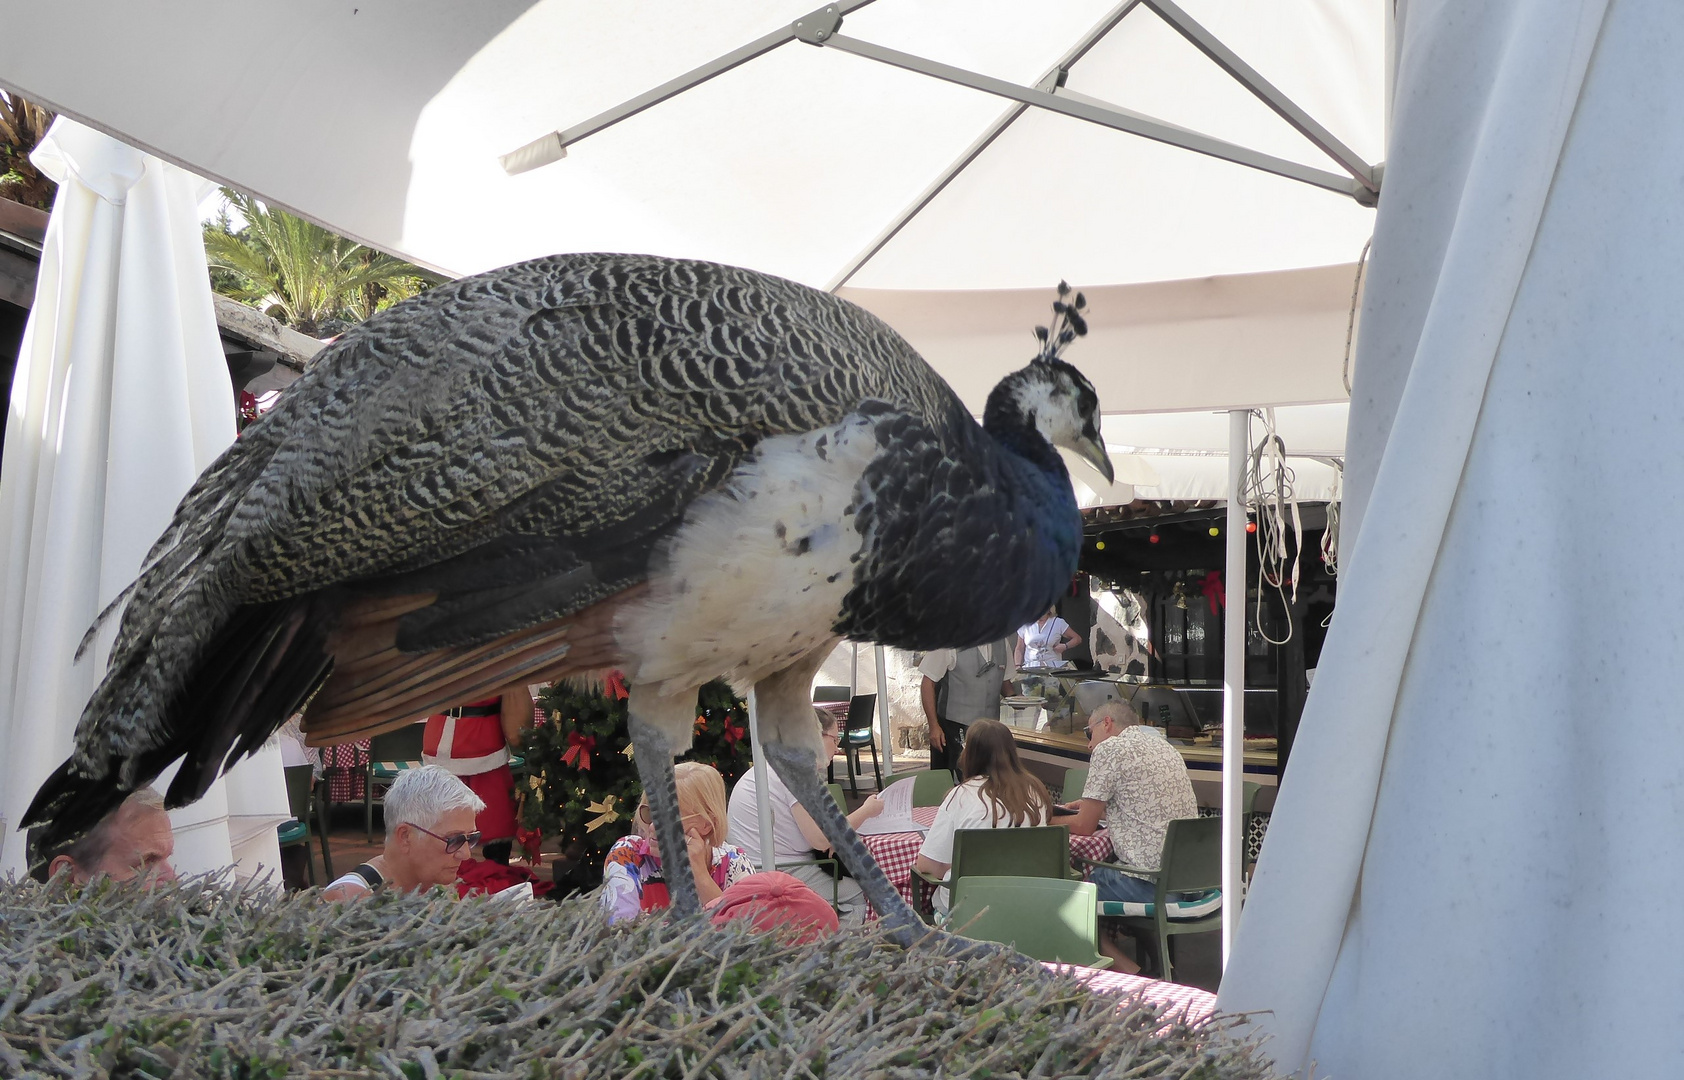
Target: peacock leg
[[798, 767], [790, 737], [650, 724]]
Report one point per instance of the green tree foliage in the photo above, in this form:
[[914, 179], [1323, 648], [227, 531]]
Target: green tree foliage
[[293, 270], [23, 124], [581, 784]]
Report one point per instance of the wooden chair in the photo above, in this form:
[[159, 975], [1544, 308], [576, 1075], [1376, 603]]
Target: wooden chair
[[390, 755]]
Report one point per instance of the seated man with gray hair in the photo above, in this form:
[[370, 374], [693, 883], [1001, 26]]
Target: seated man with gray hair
[[133, 842], [429, 831]]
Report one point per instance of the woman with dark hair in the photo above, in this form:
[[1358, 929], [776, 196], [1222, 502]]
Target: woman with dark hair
[[995, 792]]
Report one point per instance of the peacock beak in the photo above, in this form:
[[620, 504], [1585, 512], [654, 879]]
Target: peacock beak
[[1091, 449]]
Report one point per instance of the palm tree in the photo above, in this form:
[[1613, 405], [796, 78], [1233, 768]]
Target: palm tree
[[315, 281], [22, 126]]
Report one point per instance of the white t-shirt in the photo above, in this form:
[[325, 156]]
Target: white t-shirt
[[938, 662], [966, 807], [1038, 642], [744, 820]]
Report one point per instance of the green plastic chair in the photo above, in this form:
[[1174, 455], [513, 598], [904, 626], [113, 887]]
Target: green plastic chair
[[929, 786], [1249, 800], [302, 805], [831, 693], [1191, 863], [1044, 918], [390, 754], [1074, 781], [1041, 851]]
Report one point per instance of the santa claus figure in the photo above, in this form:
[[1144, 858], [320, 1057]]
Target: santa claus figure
[[473, 740]]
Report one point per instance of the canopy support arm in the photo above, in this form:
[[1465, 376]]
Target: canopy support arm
[[553, 147], [819, 28], [1112, 117], [1266, 92], [1049, 82]]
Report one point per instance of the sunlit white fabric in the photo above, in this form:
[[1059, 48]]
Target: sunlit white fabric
[[1495, 710], [121, 397]]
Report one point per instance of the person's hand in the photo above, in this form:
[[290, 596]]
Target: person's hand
[[701, 852], [938, 737], [871, 807]]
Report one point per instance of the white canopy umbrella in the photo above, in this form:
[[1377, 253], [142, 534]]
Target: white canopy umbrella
[[898, 154], [1468, 867], [1187, 453], [952, 145], [121, 397]]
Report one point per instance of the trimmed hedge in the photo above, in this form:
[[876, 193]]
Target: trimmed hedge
[[208, 979]]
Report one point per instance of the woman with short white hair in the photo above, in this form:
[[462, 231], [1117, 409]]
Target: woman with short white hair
[[429, 831]]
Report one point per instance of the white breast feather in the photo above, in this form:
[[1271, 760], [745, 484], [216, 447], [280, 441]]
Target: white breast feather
[[755, 577]]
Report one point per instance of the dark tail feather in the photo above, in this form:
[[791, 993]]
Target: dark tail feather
[[266, 663], [70, 803], [272, 659], [99, 621]]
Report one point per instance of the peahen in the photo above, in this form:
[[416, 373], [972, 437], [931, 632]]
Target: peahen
[[580, 463]]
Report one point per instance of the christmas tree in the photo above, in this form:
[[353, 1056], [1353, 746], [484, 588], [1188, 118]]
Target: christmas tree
[[581, 785]]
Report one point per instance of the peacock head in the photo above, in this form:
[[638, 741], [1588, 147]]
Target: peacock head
[[1050, 396]]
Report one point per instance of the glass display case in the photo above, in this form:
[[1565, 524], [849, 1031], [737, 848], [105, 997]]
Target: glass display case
[[1059, 702]]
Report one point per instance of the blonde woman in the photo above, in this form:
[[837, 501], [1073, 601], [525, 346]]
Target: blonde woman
[[632, 881]]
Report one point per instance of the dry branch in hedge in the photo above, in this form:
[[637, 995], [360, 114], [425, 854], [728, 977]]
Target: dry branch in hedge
[[209, 979]]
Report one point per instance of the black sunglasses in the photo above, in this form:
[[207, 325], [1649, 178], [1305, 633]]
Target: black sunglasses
[[452, 843]]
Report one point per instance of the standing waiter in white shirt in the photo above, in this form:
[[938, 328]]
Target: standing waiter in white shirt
[[960, 686]]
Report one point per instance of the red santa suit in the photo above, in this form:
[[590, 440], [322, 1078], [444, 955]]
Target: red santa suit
[[468, 740]]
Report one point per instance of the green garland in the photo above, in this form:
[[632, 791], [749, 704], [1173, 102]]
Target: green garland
[[581, 784]]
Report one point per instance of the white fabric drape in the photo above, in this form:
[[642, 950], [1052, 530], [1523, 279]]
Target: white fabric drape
[[1469, 865], [120, 399]]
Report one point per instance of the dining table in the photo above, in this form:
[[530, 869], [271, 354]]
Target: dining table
[[895, 852]]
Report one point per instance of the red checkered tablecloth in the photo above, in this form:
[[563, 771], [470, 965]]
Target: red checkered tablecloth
[[896, 852], [343, 766], [1177, 1000]]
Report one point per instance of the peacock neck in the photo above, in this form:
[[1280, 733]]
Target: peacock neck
[[1014, 429], [975, 561]]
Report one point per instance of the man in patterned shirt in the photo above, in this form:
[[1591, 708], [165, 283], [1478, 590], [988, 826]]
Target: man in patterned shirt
[[1137, 783]]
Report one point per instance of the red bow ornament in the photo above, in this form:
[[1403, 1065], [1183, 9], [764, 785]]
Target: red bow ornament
[[1214, 592], [615, 685], [733, 733], [579, 749]]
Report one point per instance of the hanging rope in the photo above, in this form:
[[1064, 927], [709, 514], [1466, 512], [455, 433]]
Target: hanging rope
[[1269, 496], [1330, 538]]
